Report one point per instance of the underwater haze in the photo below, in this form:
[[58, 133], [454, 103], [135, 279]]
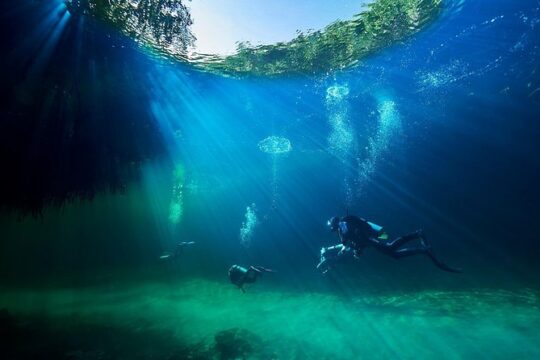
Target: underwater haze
[[120, 139]]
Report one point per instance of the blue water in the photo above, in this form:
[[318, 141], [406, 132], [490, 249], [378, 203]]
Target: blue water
[[455, 154], [439, 132]]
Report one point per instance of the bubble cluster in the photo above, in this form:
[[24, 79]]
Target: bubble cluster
[[248, 226], [388, 127], [176, 206], [450, 73], [275, 145], [342, 135], [337, 92]]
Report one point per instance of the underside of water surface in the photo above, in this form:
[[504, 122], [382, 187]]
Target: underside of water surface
[[164, 27], [154, 152]]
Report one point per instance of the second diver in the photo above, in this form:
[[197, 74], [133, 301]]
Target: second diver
[[239, 275]]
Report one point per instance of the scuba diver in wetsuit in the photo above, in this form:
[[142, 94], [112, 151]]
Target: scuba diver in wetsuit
[[175, 255], [240, 275], [356, 234]]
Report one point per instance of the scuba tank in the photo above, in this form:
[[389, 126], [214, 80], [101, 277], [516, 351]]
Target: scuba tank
[[381, 234]]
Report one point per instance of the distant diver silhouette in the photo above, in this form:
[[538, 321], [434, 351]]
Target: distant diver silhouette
[[239, 275], [178, 250], [356, 234]]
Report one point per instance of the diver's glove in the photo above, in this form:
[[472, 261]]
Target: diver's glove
[[344, 249], [323, 263]]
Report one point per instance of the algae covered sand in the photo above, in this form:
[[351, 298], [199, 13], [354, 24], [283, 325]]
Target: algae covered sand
[[213, 320]]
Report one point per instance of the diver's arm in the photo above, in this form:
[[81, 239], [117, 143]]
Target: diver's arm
[[331, 255], [345, 251]]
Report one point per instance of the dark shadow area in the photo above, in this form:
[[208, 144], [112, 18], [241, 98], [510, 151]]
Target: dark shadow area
[[43, 338], [40, 338], [73, 104]]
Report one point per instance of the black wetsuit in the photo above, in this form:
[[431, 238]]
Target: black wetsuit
[[357, 234], [239, 275]]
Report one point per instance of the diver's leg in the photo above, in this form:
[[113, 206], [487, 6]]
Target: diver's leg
[[252, 275], [254, 269], [398, 254], [411, 251], [396, 243], [441, 265], [262, 269]]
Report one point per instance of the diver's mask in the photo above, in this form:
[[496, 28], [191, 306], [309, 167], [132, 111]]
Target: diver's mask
[[333, 223]]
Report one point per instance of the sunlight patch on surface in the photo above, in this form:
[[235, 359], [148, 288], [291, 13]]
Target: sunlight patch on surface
[[266, 38], [219, 25]]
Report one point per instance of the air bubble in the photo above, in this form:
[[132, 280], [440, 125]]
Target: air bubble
[[275, 145]]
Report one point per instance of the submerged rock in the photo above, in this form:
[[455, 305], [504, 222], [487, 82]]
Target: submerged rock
[[7, 323], [237, 343]]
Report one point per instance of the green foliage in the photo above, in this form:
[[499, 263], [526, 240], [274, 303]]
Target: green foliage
[[161, 24], [338, 46]]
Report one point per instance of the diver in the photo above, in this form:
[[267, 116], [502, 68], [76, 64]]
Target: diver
[[240, 275], [178, 250], [356, 234]]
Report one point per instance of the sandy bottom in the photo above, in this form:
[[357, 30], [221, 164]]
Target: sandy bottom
[[207, 320]]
